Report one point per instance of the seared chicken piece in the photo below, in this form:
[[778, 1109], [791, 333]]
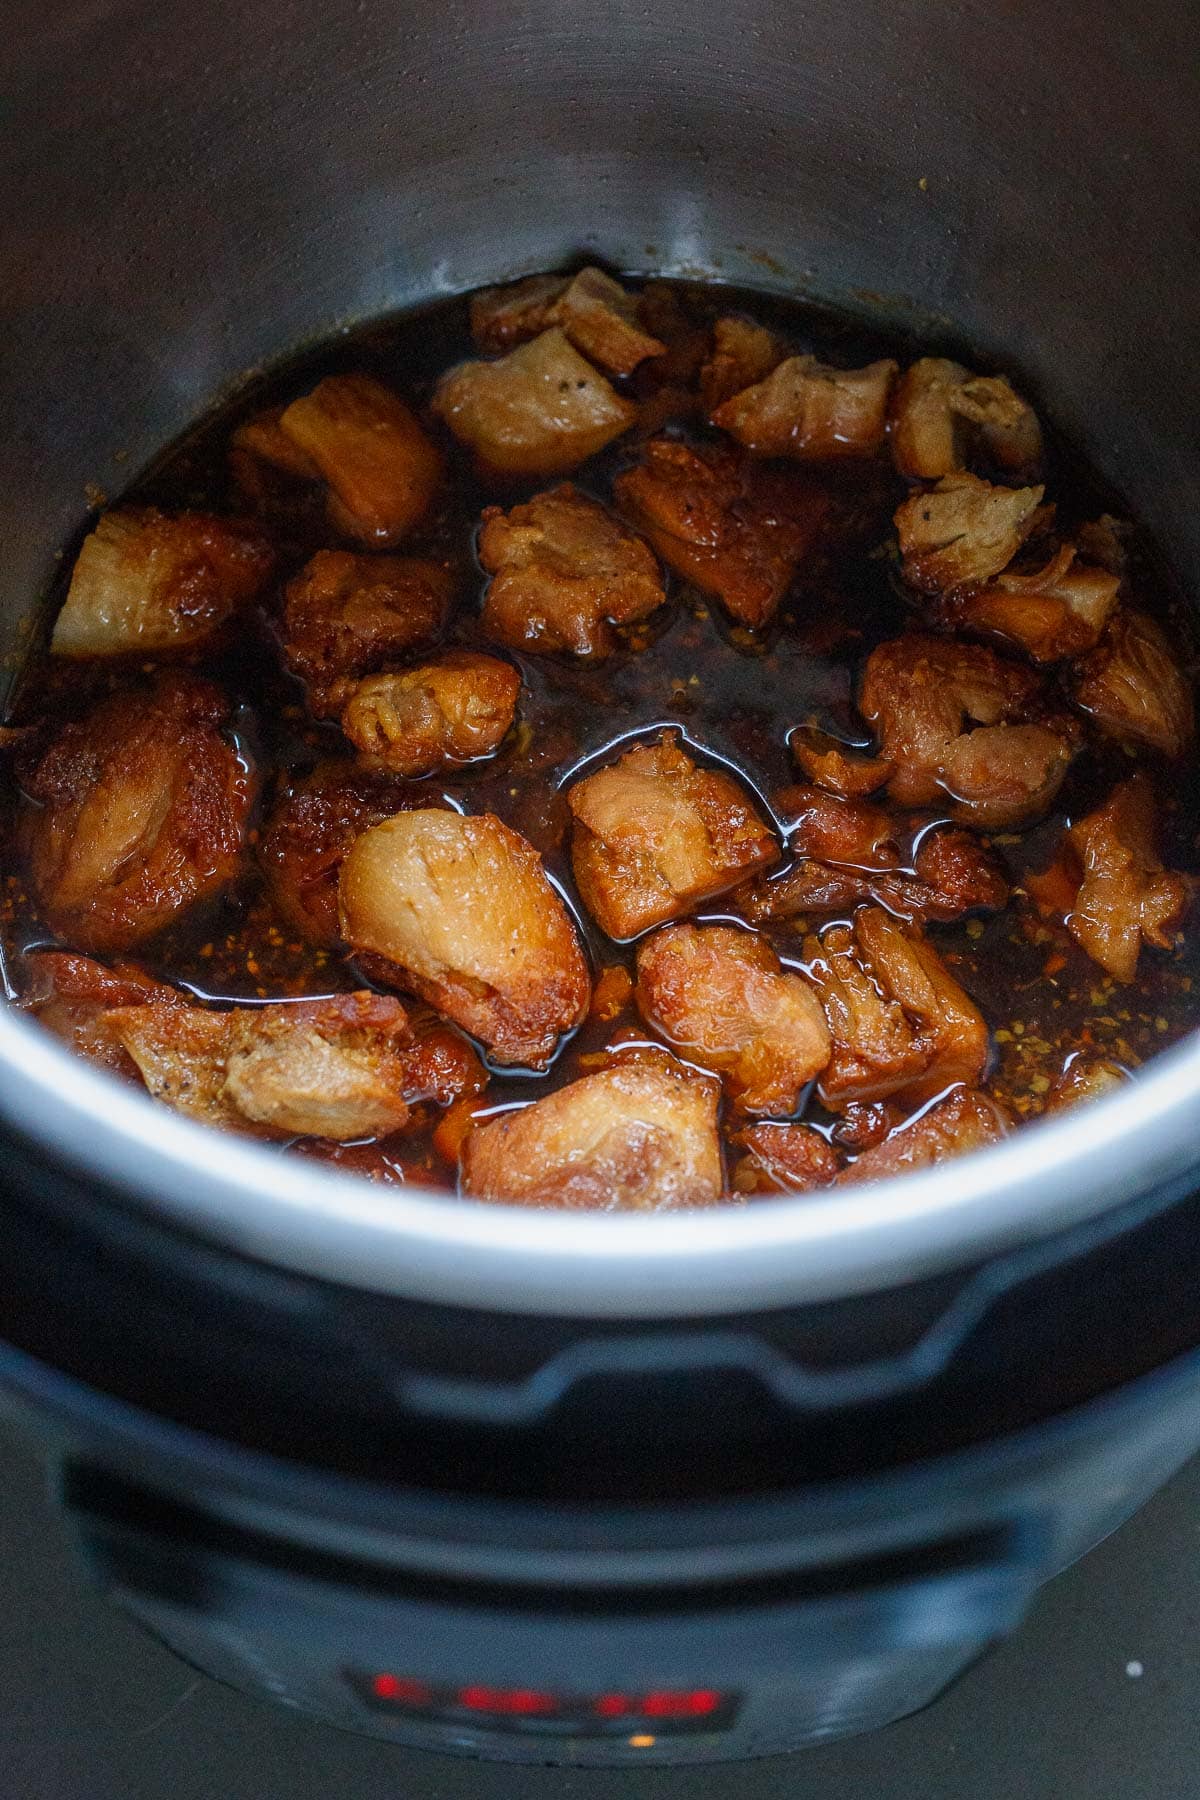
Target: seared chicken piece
[[942, 414], [962, 532], [654, 835], [346, 616], [728, 525], [835, 767], [722, 998], [462, 911], [382, 470], [1134, 689], [309, 829], [540, 410], [635, 1137], [145, 583], [901, 1025], [334, 1068], [784, 1159], [452, 710], [810, 411], [961, 1123], [848, 851], [261, 438], [1109, 885], [564, 572], [1084, 1079], [742, 354], [595, 312], [1060, 610], [502, 317], [958, 720], [70, 995], [141, 813]]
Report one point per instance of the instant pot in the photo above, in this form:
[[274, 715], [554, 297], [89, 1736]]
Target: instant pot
[[567, 1488]]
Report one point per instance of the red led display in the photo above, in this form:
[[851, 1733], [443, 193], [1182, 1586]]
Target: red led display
[[526, 1701], [691, 1703], [653, 1710], [401, 1689]]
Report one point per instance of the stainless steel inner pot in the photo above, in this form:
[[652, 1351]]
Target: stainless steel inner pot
[[188, 195]]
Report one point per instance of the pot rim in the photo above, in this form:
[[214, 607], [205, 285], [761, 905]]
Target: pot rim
[[421, 1245]]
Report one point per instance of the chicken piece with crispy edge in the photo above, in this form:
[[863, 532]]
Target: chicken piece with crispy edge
[[346, 615], [1053, 612], [1084, 1079], [540, 410], [963, 532], [850, 851], [141, 813], [1108, 884], [900, 1024], [734, 528], [382, 470], [147, 583], [564, 572], [722, 998], [957, 720], [1133, 689], [461, 912], [452, 710], [344, 1067], [69, 995], [596, 313], [835, 766], [741, 355], [638, 1136], [808, 410], [654, 835], [943, 416], [797, 1159]]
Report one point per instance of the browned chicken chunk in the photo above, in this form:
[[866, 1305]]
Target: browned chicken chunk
[[654, 835], [942, 414], [452, 710], [564, 572], [540, 410], [963, 1122], [594, 311], [835, 767], [382, 470], [1134, 689], [849, 851], [730, 526], [783, 1159], [145, 583], [958, 720], [1085, 1078], [141, 813], [347, 615], [963, 532], [1056, 611], [1109, 871], [502, 317], [810, 411], [900, 1023], [333, 1068], [70, 996], [634, 1137], [262, 439], [464, 913], [721, 997], [742, 354]]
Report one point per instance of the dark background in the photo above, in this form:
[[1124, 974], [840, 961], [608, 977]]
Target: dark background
[[92, 1710]]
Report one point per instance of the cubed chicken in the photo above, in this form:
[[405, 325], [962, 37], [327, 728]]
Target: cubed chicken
[[633, 1137], [943, 415], [261, 438], [810, 411], [721, 997], [601, 320], [540, 410], [452, 710], [1133, 687], [957, 720], [963, 1122], [963, 532], [728, 525], [900, 1024], [564, 572], [1109, 872], [835, 767], [462, 912], [382, 471], [347, 615], [1084, 1079], [333, 1068], [742, 355], [141, 811], [311, 825], [502, 317], [849, 851], [69, 995], [146, 583], [784, 1159], [1056, 611], [654, 836]]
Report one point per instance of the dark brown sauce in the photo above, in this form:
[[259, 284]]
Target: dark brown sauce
[[735, 699]]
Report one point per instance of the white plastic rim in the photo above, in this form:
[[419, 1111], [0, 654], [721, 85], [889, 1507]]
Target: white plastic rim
[[422, 1245]]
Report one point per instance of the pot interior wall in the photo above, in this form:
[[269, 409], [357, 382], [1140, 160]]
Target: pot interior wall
[[185, 204]]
